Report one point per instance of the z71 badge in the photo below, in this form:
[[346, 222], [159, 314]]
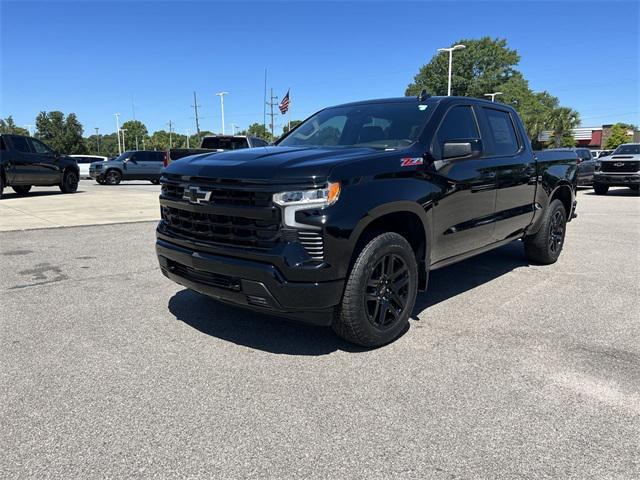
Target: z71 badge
[[411, 161]]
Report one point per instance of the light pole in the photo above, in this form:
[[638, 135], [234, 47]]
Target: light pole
[[221, 95], [493, 95], [30, 128], [233, 128], [97, 140], [187, 137], [450, 50], [123, 144], [117, 115]]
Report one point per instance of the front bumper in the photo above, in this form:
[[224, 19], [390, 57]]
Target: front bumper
[[249, 283], [617, 179]]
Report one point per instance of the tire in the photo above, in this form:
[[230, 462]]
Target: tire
[[21, 189], [99, 181], [374, 311], [112, 177], [545, 246], [635, 188], [69, 182], [600, 189]]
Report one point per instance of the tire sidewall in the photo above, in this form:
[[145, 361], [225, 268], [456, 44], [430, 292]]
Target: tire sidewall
[[363, 268], [555, 207]]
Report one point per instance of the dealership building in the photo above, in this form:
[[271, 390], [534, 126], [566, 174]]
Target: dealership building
[[592, 137]]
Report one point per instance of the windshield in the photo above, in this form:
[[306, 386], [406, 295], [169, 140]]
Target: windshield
[[377, 125], [627, 150]]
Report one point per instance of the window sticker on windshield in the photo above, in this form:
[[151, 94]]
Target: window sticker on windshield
[[411, 161]]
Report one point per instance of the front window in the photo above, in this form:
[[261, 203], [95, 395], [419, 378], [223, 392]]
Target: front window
[[627, 150], [123, 156], [378, 125]]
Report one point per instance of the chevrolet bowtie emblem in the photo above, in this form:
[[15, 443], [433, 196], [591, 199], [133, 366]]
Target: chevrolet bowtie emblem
[[618, 164], [196, 195]]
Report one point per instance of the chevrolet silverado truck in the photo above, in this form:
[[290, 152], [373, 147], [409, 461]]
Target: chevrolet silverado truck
[[215, 143], [26, 161], [620, 169], [341, 221]]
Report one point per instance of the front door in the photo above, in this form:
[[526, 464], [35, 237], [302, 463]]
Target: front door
[[47, 163], [463, 217], [23, 168]]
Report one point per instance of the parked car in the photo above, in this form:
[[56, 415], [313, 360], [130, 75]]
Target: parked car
[[216, 143], [620, 169], [342, 220], [85, 160], [586, 165], [26, 161], [131, 165]]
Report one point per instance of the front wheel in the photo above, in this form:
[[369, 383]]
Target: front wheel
[[112, 177], [21, 189], [380, 292], [545, 246], [600, 189], [69, 182]]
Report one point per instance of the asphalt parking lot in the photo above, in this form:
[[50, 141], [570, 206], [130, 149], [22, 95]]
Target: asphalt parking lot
[[508, 370]]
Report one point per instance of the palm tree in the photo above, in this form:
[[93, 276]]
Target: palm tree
[[561, 121]]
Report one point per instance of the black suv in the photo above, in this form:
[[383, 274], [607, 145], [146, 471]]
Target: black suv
[[26, 161], [341, 221]]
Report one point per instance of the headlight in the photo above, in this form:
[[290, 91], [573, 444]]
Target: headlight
[[303, 199], [318, 197]]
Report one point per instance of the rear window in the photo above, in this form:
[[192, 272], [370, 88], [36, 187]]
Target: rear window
[[224, 143], [20, 144], [155, 156], [505, 140]]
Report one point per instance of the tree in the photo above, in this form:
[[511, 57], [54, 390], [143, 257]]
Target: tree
[[60, 133], [294, 124], [482, 67], [258, 130], [561, 121], [7, 125], [618, 136], [135, 133], [108, 145]]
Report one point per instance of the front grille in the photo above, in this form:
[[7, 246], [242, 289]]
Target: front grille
[[313, 243], [222, 196], [620, 167], [213, 279], [222, 229]]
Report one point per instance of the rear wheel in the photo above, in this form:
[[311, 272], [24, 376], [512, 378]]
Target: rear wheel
[[545, 246], [600, 189], [380, 292], [112, 177], [21, 189], [69, 182]]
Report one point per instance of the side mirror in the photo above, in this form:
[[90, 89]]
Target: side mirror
[[464, 148]]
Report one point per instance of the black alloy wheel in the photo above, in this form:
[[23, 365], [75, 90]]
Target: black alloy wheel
[[556, 232], [112, 177], [387, 291]]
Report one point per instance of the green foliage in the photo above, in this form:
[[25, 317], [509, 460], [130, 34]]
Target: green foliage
[[161, 140], [482, 67], [106, 145], [60, 133], [258, 130], [560, 121], [135, 134], [618, 136], [294, 124], [7, 125]]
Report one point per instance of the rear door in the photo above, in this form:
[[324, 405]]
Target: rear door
[[515, 169], [23, 167], [586, 166], [154, 165], [463, 218]]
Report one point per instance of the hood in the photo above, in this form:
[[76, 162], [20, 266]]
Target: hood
[[623, 157], [269, 163]]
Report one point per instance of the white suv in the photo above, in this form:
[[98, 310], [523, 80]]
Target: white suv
[[84, 161]]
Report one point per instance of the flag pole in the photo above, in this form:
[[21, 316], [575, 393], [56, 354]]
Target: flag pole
[[289, 112]]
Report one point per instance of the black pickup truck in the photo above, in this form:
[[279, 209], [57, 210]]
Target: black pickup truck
[[215, 143], [341, 221], [26, 161]]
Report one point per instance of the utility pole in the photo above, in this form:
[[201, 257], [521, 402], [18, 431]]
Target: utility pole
[[97, 140], [195, 109], [450, 50], [170, 133], [221, 95], [233, 128], [264, 102], [30, 129], [117, 115], [271, 103], [187, 137]]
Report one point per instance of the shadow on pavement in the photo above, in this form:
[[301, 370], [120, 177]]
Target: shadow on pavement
[[276, 335], [617, 192], [8, 193], [253, 329]]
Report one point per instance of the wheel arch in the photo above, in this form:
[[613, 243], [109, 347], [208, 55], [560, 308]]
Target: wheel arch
[[564, 192]]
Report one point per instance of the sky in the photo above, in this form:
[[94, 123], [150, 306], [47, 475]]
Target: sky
[[98, 58]]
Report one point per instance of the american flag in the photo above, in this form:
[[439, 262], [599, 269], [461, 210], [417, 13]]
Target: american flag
[[284, 104]]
